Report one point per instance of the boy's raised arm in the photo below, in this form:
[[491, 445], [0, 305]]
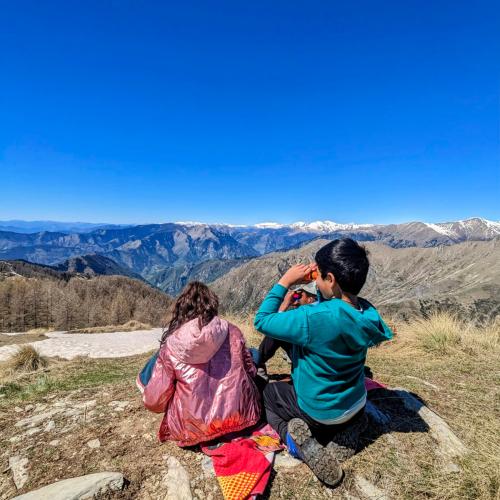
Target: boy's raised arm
[[290, 326]]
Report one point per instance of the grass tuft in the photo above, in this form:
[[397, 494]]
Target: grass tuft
[[26, 360], [444, 334], [441, 333]]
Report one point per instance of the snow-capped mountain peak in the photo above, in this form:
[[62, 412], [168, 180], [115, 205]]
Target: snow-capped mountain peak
[[269, 225], [474, 227], [319, 226]]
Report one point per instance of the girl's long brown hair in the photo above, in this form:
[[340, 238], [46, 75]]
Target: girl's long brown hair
[[195, 301]]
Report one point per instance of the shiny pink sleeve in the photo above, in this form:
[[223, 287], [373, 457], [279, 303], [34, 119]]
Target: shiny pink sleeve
[[160, 387], [248, 363]]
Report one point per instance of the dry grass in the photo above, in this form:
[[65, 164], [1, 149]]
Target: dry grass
[[39, 331], [444, 334], [245, 324], [26, 360], [454, 367], [130, 326]]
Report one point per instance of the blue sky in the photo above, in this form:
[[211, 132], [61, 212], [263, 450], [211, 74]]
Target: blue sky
[[241, 112]]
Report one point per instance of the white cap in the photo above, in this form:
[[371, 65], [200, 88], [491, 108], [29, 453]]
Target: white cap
[[309, 288]]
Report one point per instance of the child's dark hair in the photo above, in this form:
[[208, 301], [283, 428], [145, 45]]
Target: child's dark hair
[[347, 260], [195, 301]]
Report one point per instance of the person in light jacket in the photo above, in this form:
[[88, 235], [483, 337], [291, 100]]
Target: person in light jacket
[[202, 376]]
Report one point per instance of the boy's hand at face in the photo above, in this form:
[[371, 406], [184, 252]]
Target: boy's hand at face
[[299, 273]]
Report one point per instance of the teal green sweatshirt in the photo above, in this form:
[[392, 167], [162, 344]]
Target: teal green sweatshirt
[[330, 340]]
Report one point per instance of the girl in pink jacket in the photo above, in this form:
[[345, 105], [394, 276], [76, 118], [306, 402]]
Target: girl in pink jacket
[[202, 376]]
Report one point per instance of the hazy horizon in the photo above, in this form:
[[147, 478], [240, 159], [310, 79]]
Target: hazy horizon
[[260, 222]]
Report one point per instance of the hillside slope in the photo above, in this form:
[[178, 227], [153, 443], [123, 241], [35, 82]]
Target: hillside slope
[[463, 278], [95, 265], [173, 279], [34, 296]]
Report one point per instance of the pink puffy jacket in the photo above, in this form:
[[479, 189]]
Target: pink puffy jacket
[[202, 380]]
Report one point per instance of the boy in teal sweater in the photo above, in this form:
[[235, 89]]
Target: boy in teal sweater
[[329, 341]]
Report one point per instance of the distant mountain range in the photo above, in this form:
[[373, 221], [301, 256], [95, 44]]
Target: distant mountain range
[[36, 226], [462, 278], [168, 255]]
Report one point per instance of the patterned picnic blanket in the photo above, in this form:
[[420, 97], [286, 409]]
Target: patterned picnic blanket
[[243, 463]]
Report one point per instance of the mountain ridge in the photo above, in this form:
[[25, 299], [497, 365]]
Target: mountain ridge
[[168, 253]]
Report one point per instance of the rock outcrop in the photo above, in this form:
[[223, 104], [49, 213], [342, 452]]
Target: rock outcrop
[[78, 488]]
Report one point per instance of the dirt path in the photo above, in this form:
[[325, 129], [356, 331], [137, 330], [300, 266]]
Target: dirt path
[[101, 345]]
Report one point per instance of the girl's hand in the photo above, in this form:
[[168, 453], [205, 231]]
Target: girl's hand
[[297, 274]]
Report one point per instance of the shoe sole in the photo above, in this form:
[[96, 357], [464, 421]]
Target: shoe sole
[[321, 460]]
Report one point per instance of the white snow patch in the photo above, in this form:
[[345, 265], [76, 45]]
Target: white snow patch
[[269, 225], [93, 345], [440, 228]]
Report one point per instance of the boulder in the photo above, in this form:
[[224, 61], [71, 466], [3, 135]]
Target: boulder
[[18, 465], [177, 481], [369, 490], [449, 445], [207, 466], [78, 488]]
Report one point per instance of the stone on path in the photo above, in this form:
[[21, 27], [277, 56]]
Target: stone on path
[[33, 431], [422, 381], [37, 419], [450, 447], [118, 405], [94, 443], [51, 425], [177, 481], [18, 466], [369, 490], [78, 488]]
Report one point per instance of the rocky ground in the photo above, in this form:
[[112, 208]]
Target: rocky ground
[[85, 417], [88, 430]]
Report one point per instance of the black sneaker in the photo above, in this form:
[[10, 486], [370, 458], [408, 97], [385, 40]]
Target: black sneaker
[[320, 459]]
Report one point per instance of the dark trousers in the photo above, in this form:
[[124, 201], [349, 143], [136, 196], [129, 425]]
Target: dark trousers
[[281, 406], [268, 348]]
